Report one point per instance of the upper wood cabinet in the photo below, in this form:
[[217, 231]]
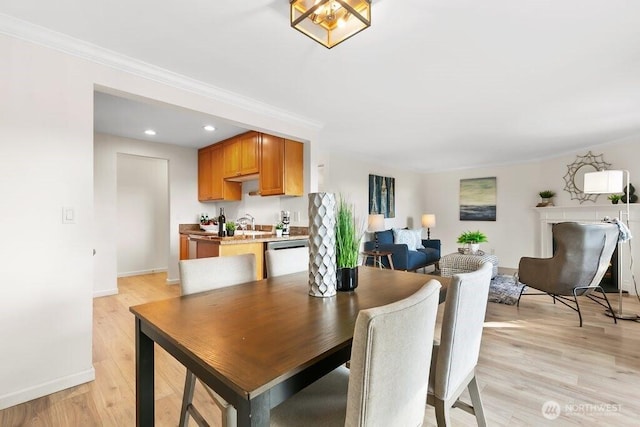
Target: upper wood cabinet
[[281, 167], [242, 155], [211, 184]]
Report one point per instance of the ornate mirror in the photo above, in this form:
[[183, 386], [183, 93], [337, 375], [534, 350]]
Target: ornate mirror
[[574, 179]]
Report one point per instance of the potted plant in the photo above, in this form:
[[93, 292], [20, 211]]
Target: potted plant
[[279, 228], [615, 198], [231, 228], [348, 239], [546, 196], [473, 239]]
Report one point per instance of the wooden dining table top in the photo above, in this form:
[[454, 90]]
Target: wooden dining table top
[[255, 335]]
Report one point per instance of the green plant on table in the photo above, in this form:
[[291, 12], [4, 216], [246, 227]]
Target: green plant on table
[[472, 237], [547, 194], [230, 226], [615, 197], [348, 236], [280, 226]]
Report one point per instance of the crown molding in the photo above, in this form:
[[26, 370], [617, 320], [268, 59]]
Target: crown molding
[[27, 31]]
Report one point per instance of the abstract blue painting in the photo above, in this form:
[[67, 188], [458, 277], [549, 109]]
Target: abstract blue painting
[[382, 196]]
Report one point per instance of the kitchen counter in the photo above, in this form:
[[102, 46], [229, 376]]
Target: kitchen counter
[[241, 239]]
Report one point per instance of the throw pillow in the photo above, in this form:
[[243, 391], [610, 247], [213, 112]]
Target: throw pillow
[[412, 238]]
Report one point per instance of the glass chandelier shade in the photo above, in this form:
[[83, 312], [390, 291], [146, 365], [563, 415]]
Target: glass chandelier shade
[[330, 22]]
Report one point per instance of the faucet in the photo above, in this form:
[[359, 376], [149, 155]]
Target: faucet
[[243, 221], [253, 221]]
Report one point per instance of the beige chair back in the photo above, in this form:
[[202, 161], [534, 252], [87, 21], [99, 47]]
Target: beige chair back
[[203, 274], [389, 370], [286, 261], [461, 334]]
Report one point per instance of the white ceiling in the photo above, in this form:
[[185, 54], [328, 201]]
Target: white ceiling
[[432, 85]]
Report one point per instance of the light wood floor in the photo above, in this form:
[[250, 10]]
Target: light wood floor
[[529, 356]]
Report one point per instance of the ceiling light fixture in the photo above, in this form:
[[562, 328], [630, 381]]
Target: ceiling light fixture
[[209, 128], [150, 132], [330, 22]]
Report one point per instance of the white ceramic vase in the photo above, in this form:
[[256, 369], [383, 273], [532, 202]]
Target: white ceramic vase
[[322, 244]]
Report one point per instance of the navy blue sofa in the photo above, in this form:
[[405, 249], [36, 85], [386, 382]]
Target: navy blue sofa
[[403, 258]]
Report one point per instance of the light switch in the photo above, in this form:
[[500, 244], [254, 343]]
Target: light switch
[[68, 215]]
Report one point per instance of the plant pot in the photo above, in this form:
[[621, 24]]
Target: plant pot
[[474, 248], [230, 233], [278, 232], [615, 202], [347, 279]]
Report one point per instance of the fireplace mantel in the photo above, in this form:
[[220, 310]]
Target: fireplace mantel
[[592, 213]]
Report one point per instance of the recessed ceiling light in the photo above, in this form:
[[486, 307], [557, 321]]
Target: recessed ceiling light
[[209, 128], [150, 132]]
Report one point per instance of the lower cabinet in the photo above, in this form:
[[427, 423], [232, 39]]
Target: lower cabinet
[[211, 248]]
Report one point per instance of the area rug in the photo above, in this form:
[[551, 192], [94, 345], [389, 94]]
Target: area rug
[[504, 289]]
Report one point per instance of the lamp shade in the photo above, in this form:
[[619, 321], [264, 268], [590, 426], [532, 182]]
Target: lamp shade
[[428, 220], [603, 182], [376, 222]]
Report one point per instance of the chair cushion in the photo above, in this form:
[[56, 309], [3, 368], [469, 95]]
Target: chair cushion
[[432, 254], [416, 259], [385, 237]]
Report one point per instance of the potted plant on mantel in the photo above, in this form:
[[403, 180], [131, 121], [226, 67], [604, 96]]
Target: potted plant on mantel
[[347, 247], [546, 196], [473, 240]]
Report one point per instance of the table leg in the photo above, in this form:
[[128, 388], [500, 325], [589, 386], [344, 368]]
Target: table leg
[[255, 412], [145, 402], [390, 262]]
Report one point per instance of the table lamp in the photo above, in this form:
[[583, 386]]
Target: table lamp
[[428, 221], [608, 182], [375, 223]]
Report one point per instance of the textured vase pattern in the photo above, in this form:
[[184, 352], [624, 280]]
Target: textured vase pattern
[[322, 244]]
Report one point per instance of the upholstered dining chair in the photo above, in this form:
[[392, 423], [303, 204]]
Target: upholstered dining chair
[[387, 382], [454, 360], [204, 274], [286, 261], [581, 258]]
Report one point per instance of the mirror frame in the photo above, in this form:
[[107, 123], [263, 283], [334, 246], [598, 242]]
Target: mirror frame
[[575, 189]]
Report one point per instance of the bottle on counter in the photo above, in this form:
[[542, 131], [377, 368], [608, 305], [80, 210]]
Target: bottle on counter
[[221, 223]]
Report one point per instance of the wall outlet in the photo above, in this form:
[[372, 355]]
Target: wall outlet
[[296, 216]]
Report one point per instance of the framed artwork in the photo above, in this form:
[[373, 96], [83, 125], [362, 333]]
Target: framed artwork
[[382, 196], [478, 198]]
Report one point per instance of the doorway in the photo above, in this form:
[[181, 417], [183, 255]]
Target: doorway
[[142, 214]]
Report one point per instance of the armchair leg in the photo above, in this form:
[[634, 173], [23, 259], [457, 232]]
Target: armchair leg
[[443, 417], [575, 297], [520, 296]]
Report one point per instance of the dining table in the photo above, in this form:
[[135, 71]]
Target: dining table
[[258, 343]]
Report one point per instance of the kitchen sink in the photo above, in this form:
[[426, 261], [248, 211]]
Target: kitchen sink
[[252, 233]]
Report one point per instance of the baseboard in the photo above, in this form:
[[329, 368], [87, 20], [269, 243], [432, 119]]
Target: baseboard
[[173, 281], [27, 394], [105, 293], [141, 272]]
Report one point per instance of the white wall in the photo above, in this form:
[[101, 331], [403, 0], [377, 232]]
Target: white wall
[[514, 233], [183, 205], [143, 214], [350, 177], [46, 163], [46, 157]]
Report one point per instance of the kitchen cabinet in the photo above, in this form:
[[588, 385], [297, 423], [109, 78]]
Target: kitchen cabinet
[[242, 156], [281, 167], [213, 248], [184, 246], [211, 183]]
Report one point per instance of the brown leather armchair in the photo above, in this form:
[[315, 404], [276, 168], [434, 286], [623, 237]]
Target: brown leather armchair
[[581, 258]]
